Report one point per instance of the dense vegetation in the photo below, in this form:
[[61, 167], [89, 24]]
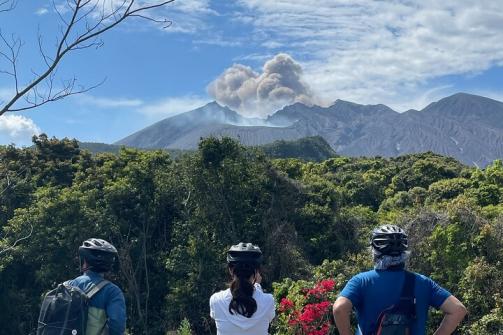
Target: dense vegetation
[[173, 219], [313, 148]]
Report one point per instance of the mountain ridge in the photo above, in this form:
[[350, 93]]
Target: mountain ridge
[[465, 126]]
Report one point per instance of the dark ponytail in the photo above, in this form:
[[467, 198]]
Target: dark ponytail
[[242, 290]]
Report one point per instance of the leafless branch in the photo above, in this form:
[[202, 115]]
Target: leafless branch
[[45, 57], [166, 23], [10, 184], [61, 17], [81, 28], [37, 99], [7, 5], [17, 241], [12, 55]]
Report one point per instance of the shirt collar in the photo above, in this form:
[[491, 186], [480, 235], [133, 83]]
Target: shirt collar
[[93, 274]]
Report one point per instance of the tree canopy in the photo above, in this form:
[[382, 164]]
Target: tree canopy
[[173, 219]]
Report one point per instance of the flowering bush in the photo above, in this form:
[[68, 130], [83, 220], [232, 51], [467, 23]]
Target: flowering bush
[[306, 310]]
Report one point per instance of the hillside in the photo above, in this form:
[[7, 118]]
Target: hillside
[[464, 126], [309, 149], [173, 220], [96, 148]]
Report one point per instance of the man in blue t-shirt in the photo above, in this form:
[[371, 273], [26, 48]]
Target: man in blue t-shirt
[[372, 292], [107, 308]]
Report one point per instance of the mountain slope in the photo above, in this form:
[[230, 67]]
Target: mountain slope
[[308, 148], [184, 131], [464, 126]]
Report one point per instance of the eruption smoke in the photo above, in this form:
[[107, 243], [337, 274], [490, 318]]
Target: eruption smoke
[[253, 94]]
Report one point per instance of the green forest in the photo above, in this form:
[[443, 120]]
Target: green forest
[[173, 218]]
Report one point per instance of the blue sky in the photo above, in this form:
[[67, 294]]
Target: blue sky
[[255, 56]]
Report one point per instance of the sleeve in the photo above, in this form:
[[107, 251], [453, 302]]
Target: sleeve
[[272, 309], [116, 312], [438, 294], [212, 309], [353, 291]]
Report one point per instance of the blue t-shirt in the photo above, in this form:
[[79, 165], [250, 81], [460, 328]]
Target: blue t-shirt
[[109, 299], [373, 291]]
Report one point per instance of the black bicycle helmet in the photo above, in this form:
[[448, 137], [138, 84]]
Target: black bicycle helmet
[[99, 254], [389, 240], [244, 253]]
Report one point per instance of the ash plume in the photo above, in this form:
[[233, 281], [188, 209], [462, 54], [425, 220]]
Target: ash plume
[[260, 94]]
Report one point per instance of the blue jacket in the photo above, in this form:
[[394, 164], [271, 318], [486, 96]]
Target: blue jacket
[[106, 307]]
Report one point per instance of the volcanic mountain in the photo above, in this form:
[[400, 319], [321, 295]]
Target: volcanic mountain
[[464, 126]]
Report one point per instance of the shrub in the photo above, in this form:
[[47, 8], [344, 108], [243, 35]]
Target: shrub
[[306, 310]]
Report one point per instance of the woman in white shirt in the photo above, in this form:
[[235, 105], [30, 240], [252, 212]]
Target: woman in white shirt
[[243, 308]]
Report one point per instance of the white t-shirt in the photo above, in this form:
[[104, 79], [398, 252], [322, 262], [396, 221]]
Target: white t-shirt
[[233, 324]]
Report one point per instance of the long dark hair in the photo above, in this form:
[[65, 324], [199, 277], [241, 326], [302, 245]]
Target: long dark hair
[[242, 290]]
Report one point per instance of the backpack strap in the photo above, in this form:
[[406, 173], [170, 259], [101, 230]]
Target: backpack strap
[[406, 302], [407, 297], [91, 292]]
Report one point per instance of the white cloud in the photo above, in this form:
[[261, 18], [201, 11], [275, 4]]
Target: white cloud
[[382, 51], [172, 106], [272, 45], [495, 94], [17, 129], [41, 11], [187, 16], [194, 7], [106, 102], [219, 41], [254, 57], [423, 98], [190, 17]]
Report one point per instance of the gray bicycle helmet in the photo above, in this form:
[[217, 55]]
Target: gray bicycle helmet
[[389, 240], [244, 253], [99, 254]]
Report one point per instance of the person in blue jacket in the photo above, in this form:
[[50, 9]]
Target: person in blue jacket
[[107, 308], [370, 293]]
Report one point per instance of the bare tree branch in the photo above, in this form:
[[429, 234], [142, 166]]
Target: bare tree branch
[[69, 89], [166, 23], [12, 56], [17, 241], [11, 185], [81, 29], [7, 5]]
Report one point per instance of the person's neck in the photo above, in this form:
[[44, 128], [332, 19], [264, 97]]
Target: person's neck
[[397, 267], [91, 272]]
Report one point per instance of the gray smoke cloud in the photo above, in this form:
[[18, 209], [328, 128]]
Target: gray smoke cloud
[[260, 94]]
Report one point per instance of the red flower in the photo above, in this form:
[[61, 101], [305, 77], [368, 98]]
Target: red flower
[[314, 317], [327, 284], [321, 288], [285, 305]]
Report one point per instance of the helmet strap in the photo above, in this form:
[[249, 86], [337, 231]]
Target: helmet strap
[[83, 266]]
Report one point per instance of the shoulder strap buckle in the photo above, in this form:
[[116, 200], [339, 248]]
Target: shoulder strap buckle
[[91, 292]]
